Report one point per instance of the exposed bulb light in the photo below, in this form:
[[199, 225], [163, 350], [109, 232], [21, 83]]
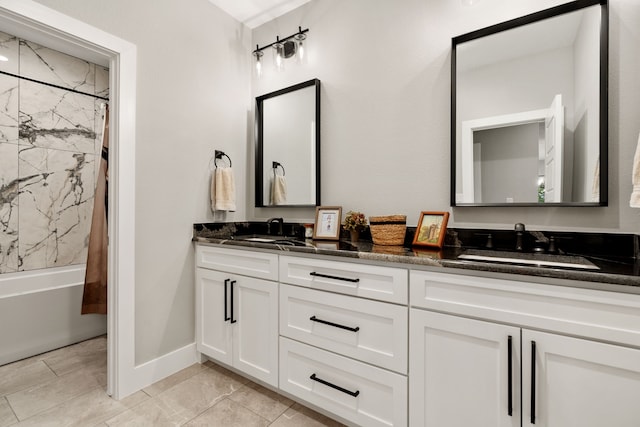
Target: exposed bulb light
[[278, 54], [258, 54], [293, 45], [301, 53]]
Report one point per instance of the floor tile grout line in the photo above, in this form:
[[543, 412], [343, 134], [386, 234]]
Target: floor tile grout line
[[49, 367], [28, 387], [57, 405], [226, 397], [12, 411], [246, 385]]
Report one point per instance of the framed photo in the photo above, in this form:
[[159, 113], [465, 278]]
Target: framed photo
[[432, 227], [327, 226]]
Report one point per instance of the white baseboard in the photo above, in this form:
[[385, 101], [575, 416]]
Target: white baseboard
[[160, 368]]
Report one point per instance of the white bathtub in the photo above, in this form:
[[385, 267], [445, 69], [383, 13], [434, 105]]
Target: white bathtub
[[40, 311]]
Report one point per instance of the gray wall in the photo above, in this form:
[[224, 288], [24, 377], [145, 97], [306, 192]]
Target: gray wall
[[585, 126], [509, 163], [385, 72], [192, 97], [385, 123]]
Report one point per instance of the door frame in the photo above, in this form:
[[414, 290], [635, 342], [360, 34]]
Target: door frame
[[471, 126], [31, 20]]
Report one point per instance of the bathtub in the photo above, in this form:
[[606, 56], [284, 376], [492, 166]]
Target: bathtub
[[40, 311]]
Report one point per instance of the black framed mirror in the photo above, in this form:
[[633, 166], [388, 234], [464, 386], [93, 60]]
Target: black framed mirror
[[529, 112], [287, 169]]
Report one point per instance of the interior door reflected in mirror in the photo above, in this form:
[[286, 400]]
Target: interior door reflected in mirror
[[529, 110], [288, 146]]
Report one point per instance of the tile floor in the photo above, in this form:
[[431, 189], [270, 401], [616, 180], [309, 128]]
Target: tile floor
[[66, 387]]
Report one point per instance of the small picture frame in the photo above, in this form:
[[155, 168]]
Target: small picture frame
[[431, 229], [328, 220]]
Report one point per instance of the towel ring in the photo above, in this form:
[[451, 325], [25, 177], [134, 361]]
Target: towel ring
[[275, 165], [218, 155]]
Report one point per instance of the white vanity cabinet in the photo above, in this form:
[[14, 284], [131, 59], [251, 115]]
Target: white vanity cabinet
[[386, 284], [464, 372], [237, 314], [470, 372], [371, 331], [339, 351], [578, 382], [381, 345]]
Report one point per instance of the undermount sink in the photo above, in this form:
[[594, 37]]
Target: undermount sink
[[258, 239], [529, 259], [275, 240]]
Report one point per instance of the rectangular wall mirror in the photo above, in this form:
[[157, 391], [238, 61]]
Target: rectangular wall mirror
[[529, 110], [288, 146]]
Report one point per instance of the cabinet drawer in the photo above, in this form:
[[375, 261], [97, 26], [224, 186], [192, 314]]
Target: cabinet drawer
[[600, 315], [372, 331], [249, 263], [368, 281], [355, 391]]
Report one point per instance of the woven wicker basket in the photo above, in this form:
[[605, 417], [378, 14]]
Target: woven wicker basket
[[388, 230]]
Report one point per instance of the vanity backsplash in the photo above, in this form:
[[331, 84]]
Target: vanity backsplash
[[592, 244]]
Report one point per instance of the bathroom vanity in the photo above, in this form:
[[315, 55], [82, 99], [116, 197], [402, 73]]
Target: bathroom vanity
[[383, 336]]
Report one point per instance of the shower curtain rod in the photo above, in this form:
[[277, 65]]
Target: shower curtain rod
[[53, 85]]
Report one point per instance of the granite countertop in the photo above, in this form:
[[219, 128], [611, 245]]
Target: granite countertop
[[614, 267]]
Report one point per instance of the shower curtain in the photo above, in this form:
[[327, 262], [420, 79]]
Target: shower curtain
[[94, 299]]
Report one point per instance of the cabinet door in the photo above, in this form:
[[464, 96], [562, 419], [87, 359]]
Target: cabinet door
[[213, 331], [578, 382], [463, 372], [255, 328]]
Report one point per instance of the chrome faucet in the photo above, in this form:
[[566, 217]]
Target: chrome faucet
[[280, 222], [519, 227]]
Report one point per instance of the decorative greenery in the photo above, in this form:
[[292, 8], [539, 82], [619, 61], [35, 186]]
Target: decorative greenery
[[355, 221], [541, 193]]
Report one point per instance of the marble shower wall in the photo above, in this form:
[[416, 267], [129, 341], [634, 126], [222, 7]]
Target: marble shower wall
[[50, 141]]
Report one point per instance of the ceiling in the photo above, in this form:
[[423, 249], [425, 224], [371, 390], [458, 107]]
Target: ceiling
[[254, 13]]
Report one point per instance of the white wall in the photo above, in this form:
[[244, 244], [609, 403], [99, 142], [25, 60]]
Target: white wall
[[385, 72], [193, 97]]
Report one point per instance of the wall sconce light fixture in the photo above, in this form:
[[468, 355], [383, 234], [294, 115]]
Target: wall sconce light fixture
[[293, 45]]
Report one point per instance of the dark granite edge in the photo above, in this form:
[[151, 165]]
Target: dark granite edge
[[311, 248], [433, 259]]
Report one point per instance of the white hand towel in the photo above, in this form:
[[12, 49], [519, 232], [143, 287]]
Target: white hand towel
[[595, 187], [223, 190], [635, 179], [278, 190]]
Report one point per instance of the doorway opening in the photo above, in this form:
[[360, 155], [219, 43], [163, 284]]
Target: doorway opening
[[32, 21]]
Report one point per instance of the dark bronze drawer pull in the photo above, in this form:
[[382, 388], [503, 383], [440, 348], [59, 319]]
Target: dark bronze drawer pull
[[346, 279], [336, 325], [226, 315], [510, 376], [231, 287], [533, 382], [337, 387]]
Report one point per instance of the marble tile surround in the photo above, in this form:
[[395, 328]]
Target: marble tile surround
[[50, 141]]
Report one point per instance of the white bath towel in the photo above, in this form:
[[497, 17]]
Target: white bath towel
[[278, 190], [223, 190], [635, 179]]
